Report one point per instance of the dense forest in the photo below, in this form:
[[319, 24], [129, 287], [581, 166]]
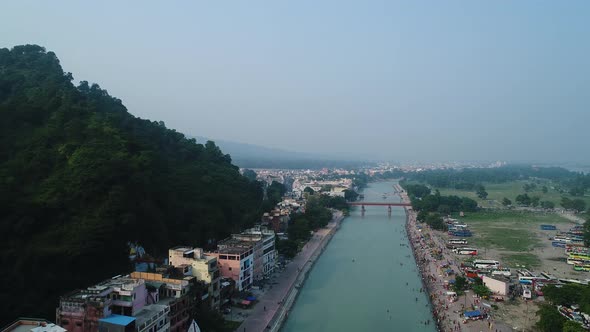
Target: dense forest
[[80, 177]]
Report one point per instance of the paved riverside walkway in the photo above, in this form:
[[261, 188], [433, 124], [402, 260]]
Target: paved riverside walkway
[[259, 319]]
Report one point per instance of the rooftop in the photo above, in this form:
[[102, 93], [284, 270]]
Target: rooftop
[[32, 325], [148, 312], [118, 320], [183, 249]]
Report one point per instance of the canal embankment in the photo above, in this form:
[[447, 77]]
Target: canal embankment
[[287, 303], [366, 280]]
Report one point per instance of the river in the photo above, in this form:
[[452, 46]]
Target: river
[[366, 279]]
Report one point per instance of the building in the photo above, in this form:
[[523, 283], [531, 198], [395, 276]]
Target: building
[[81, 310], [139, 302], [171, 291], [497, 285], [116, 323], [203, 267], [153, 318], [32, 325], [265, 254], [235, 260]]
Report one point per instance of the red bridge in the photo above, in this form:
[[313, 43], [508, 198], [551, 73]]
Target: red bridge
[[378, 204]]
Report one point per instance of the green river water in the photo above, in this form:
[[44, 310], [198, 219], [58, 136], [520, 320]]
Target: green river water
[[359, 282]]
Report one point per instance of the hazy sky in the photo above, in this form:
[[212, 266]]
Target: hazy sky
[[412, 80]]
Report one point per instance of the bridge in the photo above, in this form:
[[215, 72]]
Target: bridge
[[378, 204], [388, 204]]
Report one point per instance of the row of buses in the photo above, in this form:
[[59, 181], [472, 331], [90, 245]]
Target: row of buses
[[457, 246]]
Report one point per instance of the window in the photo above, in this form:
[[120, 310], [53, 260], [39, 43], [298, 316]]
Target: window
[[230, 268]]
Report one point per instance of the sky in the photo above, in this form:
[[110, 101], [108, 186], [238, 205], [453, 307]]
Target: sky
[[390, 80]]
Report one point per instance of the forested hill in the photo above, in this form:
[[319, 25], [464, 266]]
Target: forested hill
[[80, 177]]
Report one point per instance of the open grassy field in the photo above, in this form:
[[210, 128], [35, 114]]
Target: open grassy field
[[510, 233], [497, 191]]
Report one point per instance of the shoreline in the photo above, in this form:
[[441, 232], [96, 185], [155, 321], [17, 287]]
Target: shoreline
[[421, 272], [282, 313], [432, 257]]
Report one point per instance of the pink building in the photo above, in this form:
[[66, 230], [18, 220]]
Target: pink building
[[236, 260], [263, 240]]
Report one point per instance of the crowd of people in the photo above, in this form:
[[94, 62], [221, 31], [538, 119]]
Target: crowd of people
[[437, 267]]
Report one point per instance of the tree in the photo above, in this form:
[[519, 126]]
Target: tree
[[572, 326], [421, 217], [460, 284], [549, 319], [444, 209], [544, 189], [528, 187], [82, 177], [350, 195], [573, 204], [417, 190], [274, 194], [481, 192], [523, 199], [577, 191], [435, 221], [287, 247], [299, 230], [578, 205], [535, 201], [250, 174], [468, 205], [547, 205], [309, 190], [482, 290], [506, 202]]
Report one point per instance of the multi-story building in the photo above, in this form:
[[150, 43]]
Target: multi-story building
[[153, 318], [173, 292], [203, 267], [32, 325], [264, 249], [139, 302], [235, 259], [81, 310]]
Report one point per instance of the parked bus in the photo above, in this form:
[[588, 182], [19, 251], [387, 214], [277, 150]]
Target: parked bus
[[579, 256], [466, 251], [578, 261], [486, 264], [502, 272], [457, 241]]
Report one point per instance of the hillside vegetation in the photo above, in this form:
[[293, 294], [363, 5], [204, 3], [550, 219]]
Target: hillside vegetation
[[80, 177]]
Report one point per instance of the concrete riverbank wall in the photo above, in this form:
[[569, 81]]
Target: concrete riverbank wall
[[283, 312]]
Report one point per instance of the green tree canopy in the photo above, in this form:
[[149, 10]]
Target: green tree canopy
[[80, 177]]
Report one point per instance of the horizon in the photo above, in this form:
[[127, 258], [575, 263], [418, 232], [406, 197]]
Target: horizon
[[445, 80]]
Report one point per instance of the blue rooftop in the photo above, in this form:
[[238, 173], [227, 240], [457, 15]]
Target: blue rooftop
[[118, 320]]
